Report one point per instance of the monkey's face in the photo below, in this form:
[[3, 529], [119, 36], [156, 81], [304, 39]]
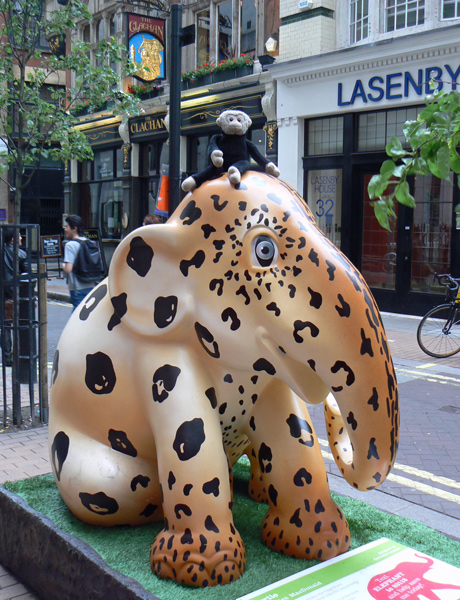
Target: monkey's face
[[234, 122]]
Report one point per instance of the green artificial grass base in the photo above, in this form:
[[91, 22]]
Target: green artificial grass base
[[126, 549]]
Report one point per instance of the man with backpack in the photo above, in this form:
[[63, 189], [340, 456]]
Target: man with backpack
[[82, 261]]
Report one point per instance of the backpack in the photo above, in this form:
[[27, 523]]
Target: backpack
[[88, 262]]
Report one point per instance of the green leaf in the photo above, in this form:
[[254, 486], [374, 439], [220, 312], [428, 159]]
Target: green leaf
[[394, 148], [454, 162], [403, 195], [387, 168], [457, 208], [377, 186], [442, 160]]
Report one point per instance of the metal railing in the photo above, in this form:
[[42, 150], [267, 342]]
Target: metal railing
[[20, 325]]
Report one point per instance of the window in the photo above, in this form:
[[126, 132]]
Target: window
[[224, 31], [400, 14], [202, 37], [113, 24], [450, 9], [359, 20], [325, 136], [324, 198], [86, 34], [100, 30], [248, 19], [376, 129]]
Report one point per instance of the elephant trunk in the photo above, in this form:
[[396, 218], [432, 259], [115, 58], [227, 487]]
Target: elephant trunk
[[363, 430]]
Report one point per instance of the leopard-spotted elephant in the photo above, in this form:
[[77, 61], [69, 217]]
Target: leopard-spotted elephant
[[206, 341]]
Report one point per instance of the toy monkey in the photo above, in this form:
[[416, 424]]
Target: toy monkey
[[230, 151]]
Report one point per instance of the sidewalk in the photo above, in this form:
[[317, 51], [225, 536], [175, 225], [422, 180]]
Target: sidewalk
[[24, 453]]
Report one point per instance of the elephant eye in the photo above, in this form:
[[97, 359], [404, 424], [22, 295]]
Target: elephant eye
[[265, 251]]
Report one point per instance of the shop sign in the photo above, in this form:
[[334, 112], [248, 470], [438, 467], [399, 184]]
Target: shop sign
[[146, 44], [395, 86], [147, 124]]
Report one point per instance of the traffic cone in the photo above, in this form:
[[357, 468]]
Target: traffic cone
[[162, 205]]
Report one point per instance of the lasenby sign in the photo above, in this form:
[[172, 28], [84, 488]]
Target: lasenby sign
[[395, 86]]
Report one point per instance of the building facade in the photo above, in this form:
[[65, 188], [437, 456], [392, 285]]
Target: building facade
[[115, 190], [337, 109]]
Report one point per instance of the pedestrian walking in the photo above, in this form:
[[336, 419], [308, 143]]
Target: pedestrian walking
[[79, 249], [8, 275]]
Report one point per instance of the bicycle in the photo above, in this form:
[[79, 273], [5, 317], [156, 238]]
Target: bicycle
[[438, 333]]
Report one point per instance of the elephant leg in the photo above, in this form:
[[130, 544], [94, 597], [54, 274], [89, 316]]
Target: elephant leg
[[256, 483], [199, 544], [103, 486], [303, 520]]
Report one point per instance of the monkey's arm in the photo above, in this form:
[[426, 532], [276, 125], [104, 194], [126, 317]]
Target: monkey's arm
[[215, 154], [263, 162]]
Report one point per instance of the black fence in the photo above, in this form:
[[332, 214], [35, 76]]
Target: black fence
[[22, 371]]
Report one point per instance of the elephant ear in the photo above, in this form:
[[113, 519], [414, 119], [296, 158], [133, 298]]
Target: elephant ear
[[143, 290]]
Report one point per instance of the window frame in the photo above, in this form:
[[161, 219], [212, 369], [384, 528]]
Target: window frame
[[421, 5], [352, 24]]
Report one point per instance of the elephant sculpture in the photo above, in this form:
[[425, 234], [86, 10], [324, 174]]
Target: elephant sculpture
[[207, 340]]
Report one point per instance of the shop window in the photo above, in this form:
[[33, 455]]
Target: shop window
[[379, 247], [400, 14], [450, 9], [224, 30], [376, 129], [325, 136], [324, 198], [431, 232], [202, 37], [359, 20], [103, 164], [248, 18], [198, 155]]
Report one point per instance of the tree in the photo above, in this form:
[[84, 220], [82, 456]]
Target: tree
[[433, 140], [39, 117]]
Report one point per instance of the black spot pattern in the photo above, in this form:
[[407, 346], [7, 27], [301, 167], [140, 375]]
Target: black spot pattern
[[352, 421], [211, 396], [55, 370], [273, 494], [217, 283], [207, 230], [265, 457], [302, 476], [210, 525], [191, 213], [92, 301], [342, 365], [217, 204], [148, 510], [165, 311], [99, 503], [164, 381], [344, 308], [139, 480], [100, 375], [274, 308], [264, 365], [212, 487], [316, 298], [182, 508], [331, 270], [319, 508], [300, 326], [171, 480], [372, 450], [205, 337], [59, 451], [120, 442], [230, 313], [189, 439], [297, 426], [119, 310], [295, 519], [366, 345], [374, 399], [313, 256], [140, 256], [197, 261]]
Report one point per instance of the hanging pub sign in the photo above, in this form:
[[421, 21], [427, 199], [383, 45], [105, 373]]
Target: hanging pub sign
[[146, 44]]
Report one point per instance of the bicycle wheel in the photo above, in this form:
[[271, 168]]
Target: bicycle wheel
[[438, 333]]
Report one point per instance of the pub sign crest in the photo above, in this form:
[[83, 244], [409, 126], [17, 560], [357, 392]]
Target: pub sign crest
[[146, 46]]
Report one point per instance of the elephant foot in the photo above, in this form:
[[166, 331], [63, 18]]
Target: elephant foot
[[321, 536], [198, 560]]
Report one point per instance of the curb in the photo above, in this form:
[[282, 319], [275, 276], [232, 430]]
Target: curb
[[53, 563]]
